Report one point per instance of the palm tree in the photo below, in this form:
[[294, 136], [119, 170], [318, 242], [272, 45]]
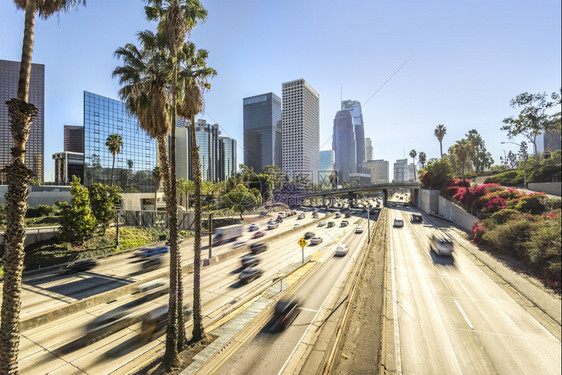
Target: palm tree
[[185, 187], [157, 178], [440, 132], [413, 155], [21, 115], [461, 150], [114, 142], [422, 158]]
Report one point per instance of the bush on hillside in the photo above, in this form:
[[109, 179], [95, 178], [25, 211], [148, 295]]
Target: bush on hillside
[[536, 204], [507, 178], [545, 173], [544, 246], [41, 210], [511, 237]]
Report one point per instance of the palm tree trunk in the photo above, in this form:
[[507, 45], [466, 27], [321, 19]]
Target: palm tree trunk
[[112, 170], [171, 355], [441, 148], [198, 331], [18, 175]]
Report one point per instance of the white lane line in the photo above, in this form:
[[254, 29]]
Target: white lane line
[[463, 313], [305, 309], [398, 355]]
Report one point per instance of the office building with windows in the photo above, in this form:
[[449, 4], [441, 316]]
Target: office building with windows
[[67, 165], [379, 170], [74, 138], [262, 131], [326, 167], [137, 159], [34, 148], [343, 144], [227, 158], [301, 129], [401, 171], [354, 107], [368, 149]]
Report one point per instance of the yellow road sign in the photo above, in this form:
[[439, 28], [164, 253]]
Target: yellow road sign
[[302, 242]]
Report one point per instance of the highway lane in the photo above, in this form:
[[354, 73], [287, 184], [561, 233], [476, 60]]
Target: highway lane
[[219, 289], [452, 318], [272, 353]]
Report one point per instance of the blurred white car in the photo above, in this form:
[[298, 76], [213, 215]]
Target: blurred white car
[[359, 229], [316, 240]]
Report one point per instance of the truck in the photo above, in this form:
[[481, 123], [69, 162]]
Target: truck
[[441, 244], [227, 234]]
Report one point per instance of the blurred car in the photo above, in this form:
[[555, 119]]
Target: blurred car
[[155, 322], [153, 289], [344, 223], [341, 250], [249, 274], [258, 234], [417, 218], [279, 219], [321, 223], [284, 313], [308, 235], [316, 240], [441, 244], [271, 221], [398, 223], [296, 225], [300, 217], [258, 247], [180, 240], [250, 260], [331, 224], [393, 204], [253, 227], [153, 263], [338, 215], [358, 229], [151, 251], [238, 244], [79, 266], [406, 204], [273, 226], [347, 215]]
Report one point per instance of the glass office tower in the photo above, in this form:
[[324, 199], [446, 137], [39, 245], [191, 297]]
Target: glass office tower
[[343, 144], [227, 158], [134, 164], [262, 131], [354, 107]]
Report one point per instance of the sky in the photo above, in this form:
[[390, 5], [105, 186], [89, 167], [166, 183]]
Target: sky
[[412, 64]]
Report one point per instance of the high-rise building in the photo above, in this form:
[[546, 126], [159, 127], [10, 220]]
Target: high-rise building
[[67, 165], [379, 170], [401, 173], [343, 144], [368, 149], [551, 141], [227, 158], [207, 136], [74, 138], [183, 156], [262, 131], [354, 107], [137, 159], [301, 129], [326, 167], [34, 148]]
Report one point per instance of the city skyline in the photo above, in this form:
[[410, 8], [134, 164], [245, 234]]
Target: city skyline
[[457, 65]]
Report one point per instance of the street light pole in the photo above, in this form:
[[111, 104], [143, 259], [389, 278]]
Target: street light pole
[[369, 225], [524, 163]]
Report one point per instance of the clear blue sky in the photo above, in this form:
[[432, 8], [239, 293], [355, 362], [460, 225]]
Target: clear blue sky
[[469, 60]]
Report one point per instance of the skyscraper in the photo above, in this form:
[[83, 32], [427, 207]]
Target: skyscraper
[[34, 148], [74, 138], [227, 158], [401, 172], [301, 129], [262, 131], [378, 169], [134, 164], [343, 144], [326, 166], [354, 108], [207, 136], [368, 149]]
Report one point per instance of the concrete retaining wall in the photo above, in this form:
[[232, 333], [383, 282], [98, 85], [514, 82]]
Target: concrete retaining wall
[[553, 188], [42, 195], [456, 214], [35, 235], [428, 200]]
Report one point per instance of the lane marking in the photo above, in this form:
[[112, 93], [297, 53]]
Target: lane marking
[[463, 313], [398, 355], [305, 309]]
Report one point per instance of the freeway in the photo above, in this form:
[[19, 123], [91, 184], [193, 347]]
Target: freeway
[[56, 347], [450, 317]]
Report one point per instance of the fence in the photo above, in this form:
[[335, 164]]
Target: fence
[[155, 219]]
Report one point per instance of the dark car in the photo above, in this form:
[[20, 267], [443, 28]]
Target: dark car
[[308, 235], [285, 312], [330, 224], [406, 204], [250, 260], [249, 274], [155, 321], [417, 218], [81, 265], [148, 252], [398, 223], [347, 215], [279, 219], [258, 247]]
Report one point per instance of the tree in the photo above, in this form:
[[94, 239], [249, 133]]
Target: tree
[[114, 142], [413, 155], [21, 114], [185, 187], [440, 132], [242, 199], [436, 174], [157, 178], [533, 118], [102, 202], [461, 151], [422, 159], [77, 220], [479, 156]]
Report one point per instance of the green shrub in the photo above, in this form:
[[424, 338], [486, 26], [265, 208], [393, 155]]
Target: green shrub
[[507, 178], [131, 243], [510, 237], [535, 204], [503, 216], [39, 211], [544, 246], [545, 173]]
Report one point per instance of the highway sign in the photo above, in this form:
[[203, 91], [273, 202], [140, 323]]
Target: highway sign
[[302, 242]]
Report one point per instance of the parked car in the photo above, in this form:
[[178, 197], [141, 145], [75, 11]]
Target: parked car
[[79, 266], [272, 226], [308, 235], [330, 224], [258, 247], [249, 274], [250, 260], [398, 223], [284, 313], [316, 240], [341, 250], [259, 234], [253, 227], [417, 218], [151, 251], [359, 229], [321, 223]]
